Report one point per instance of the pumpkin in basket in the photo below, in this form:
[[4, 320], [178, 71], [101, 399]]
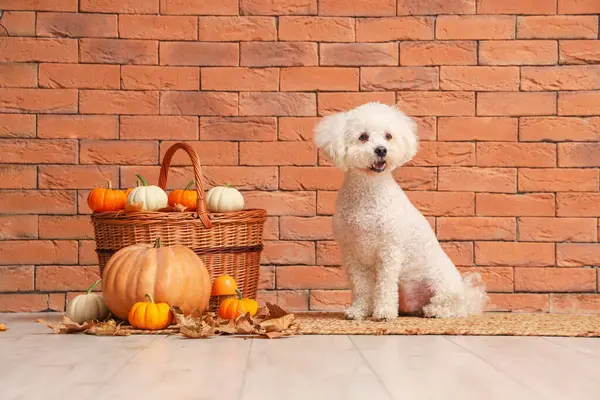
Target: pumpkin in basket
[[106, 199], [174, 275], [185, 197], [221, 199], [149, 197]]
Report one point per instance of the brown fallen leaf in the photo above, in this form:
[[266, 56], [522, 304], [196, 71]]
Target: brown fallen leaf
[[201, 327], [275, 311], [134, 207], [3, 327], [108, 328], [179, 208], [278, 324], [244, 324], [66, 325]]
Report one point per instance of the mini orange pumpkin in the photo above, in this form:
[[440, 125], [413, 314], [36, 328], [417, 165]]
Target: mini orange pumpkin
[[233, 307], [185, 197], [150, 315], [224, 285], [106, 199]]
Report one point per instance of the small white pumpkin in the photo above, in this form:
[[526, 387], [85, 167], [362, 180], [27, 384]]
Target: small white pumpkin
[[224, 199], [151, 197], [87, 307]]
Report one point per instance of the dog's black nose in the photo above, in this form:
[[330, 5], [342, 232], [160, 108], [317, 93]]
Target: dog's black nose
[[380, 151]]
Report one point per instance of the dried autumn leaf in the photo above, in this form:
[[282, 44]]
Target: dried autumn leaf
[[3, 327], [66, 325], [134, 207], [201, 327], [108, 328], [244, 325], [275, 311], [278, 324], [179, 208], [227, 326]]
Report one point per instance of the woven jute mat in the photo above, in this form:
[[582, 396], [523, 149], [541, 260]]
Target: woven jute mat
[[491, 324]]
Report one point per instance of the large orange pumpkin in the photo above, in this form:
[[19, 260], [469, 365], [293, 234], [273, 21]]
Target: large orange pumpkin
[[174, 275]]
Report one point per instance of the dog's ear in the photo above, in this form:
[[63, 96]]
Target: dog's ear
[[330, 135], [408, 135]]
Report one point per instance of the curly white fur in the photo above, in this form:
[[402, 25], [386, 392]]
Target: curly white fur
[[394, 260]]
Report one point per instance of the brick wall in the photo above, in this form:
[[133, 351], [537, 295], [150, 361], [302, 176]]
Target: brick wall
[[505, 94]]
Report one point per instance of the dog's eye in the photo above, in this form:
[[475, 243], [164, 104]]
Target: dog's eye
[[388, 136], [363, 137]]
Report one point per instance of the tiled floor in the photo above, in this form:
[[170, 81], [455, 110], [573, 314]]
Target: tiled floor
[[36, 364]]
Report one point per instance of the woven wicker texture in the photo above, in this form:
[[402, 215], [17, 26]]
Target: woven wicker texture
[[228, 243]]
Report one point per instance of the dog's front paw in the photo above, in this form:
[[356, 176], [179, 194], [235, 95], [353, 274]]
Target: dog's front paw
[[385, 315], [356, 313]]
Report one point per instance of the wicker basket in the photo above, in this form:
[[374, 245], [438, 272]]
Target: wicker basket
[[228, 243]]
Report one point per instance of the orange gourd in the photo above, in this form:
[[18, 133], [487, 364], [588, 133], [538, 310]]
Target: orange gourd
[[224, 285], [106, 199], [174, 275], [233, 307], [185, 197], [150, 315]]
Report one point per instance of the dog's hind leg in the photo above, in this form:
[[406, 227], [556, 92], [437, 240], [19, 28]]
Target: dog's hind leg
[[361, 281]]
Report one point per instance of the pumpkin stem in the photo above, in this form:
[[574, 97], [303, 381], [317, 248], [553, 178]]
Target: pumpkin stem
[[189, 185], [227, 184], [239, 293], [149, 297], [108, 184], [141, 178], [157, 243], [93, 286]]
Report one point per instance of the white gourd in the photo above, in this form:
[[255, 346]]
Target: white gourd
[[151, 197], [224, 199], [87, 307]]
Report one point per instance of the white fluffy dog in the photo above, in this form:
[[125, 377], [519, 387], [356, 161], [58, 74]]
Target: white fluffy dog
[[394, 260]]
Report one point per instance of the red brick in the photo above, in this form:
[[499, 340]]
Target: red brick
[[278, 54], [159, 27], [118, 152], [580, 52], [120, 6], [326, 202], [577, 254], [18, 227], [443, 203], [476, 228], [416, 178], [309, 277], [17, 23], [399, 78], [292, 128], [579, 103], [505, 154], [558, 229], [557, 27], [65, 277], [575, 303], [437, 103], [135, 77], [117, 102], [278, 153], [444, 153], [238, 28], [328, 253], [479, 78], [310, 178], [438, 53], [560, 78], [118, 51], [271, 231], [514, 253], [37, 5], [426, 128], [461, 253], [236, 78], [558, 129], [558, 180], [417, 7], [288, 252], [16, 279], [358, 54], [18, 176], [360, 8], [579, 155], [77, 126], [496, 279], [396, 28], [38, 252], [578, 7], [238, 128], [555, 279], [329, 300], [43, 101], [475, 27], [292, 300], [300, 204], [516, 104], [318, 29], [280, 7], [477, 128], [266, 279], [18, 75], [529, 303], [13, 49], [26, 302], [465, 179], [518, 52], [335, 102], [502, 205], [17, 125], [200, 54], [199, 7], [76, 25], [38, 151], [87, 253], [578, 204], [516, 7], [75, 176], [66, 227], [277, 104], [158, 127], [80, 76], [319, 78], [301, 228], [199, 103], [38, 201], [210, 153]]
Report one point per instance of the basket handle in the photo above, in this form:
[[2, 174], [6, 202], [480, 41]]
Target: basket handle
[[201, 207]]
